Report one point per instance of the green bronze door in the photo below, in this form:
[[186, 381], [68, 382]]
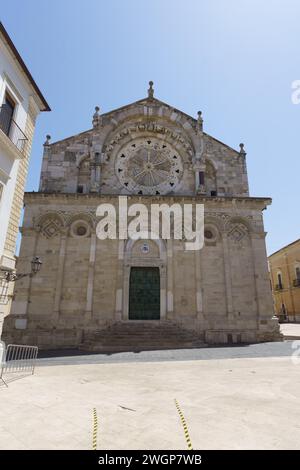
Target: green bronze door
[[144, 294]]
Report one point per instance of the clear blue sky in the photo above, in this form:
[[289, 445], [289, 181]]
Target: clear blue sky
[[235, 60]]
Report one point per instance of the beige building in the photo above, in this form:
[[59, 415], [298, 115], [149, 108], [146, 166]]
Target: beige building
[[124, 294], [284, 267], [20, 103]]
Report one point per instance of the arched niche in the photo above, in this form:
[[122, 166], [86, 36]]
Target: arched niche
[[84, 175], [145, 253], [210, 178]]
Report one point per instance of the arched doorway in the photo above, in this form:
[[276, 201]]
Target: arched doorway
[[144, 280]]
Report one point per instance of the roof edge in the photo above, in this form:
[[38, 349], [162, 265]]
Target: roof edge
[[137, 103], [284, 247], [266, 200]]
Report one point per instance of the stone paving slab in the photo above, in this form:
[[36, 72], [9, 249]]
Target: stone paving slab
[[65, 357], [232, 403]]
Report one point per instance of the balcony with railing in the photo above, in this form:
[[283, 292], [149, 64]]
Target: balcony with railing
[[296, 282], [10, 128]]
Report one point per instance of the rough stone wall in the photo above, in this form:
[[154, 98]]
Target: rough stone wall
[[222, 290], [62, 162]]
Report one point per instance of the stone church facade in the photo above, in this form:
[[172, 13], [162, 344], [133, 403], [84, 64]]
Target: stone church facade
[[89, 290]]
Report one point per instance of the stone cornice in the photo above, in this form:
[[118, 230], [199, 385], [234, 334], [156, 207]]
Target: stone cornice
[[259, 202]]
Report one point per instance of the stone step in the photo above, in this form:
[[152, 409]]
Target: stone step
[[140, 335], [174, 337], [118, 349], [131, 342], [142, 347]]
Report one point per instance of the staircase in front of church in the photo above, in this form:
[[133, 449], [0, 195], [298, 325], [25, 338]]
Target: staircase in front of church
[[140, 336]]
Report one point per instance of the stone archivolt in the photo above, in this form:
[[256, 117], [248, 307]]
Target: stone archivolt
[[130, 131]]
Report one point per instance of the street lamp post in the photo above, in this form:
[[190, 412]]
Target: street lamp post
[[9, 276], [36, 265]]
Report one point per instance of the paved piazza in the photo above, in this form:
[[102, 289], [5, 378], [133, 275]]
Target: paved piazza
[[231, 397]]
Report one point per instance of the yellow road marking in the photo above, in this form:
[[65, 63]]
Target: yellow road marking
[[95, 428], [185, 428]]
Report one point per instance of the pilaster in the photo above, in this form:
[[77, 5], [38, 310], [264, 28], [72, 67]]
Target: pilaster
[[90, 283]]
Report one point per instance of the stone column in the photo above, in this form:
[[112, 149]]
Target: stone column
[[198, 278], [60, 276], [119, 287], [163, 291], [267, 323], [125, 294], [255, 277], [36, 236], [170, 298], [93, 174], [98, 169], [90, 284], [46, 158], [261, 276], [227, 275]]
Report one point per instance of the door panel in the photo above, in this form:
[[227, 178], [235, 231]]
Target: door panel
[[144, 293]]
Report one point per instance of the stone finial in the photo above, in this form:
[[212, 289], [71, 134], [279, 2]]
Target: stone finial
[[97, 121], [242, 150], [200, 121], [47, 141], [150, 90]]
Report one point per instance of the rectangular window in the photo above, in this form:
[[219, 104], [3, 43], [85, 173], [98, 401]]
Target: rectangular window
[[201, 177]]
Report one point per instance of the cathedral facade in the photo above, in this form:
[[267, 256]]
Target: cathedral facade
[[92, 293]]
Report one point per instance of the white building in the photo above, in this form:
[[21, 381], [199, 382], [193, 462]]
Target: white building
[[20, 103]]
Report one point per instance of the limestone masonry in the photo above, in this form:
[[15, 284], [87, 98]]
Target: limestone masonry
[[90, 292]]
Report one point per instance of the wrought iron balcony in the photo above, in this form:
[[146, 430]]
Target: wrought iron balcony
[[11, 129], [296, 282]]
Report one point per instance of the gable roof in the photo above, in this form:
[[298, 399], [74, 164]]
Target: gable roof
[[284, 248], [19, 59], [145, 101]]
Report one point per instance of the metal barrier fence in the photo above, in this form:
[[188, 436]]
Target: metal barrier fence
[[19, 359]]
